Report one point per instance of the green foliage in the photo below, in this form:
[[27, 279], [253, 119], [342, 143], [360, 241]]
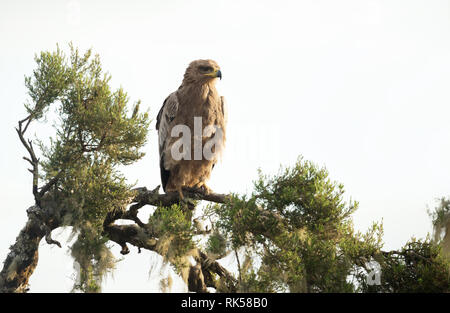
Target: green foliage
[[441, 224], [295, 222], [216, 245], [47, 83], [94, 258], [177, 231], [299, 226], [418, 267], [440, 214], [95, 133], [306, 197]]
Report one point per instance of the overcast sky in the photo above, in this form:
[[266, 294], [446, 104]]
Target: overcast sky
[[361, 87]]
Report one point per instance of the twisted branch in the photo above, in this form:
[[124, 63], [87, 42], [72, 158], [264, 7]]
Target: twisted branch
[[143, 236]]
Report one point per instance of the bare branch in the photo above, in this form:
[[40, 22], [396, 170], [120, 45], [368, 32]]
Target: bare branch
[[32, 159], [26, 126], [239, 266], [27, 159], [153, 197], [28, 118], [50, 183]]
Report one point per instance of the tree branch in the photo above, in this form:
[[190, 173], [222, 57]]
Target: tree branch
[[23, 256], [210, 265], [50, 183], [33, 160], [143, 236], [153, 197]]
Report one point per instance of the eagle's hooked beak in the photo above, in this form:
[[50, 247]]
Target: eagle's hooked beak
[[216, 73]]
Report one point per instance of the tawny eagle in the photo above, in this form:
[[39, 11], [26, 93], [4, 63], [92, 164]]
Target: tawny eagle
[[196, 109]]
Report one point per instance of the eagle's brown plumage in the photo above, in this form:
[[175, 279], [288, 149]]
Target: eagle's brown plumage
[[196, 97]]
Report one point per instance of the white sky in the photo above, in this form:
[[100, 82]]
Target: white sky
[[359, 86]]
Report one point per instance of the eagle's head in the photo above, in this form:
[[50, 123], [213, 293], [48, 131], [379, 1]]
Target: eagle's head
[[202, 71]]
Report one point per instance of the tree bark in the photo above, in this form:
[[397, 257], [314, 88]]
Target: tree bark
[[22, 259], [23, 255]]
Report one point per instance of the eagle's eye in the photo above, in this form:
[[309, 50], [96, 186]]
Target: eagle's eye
[[205, 68]]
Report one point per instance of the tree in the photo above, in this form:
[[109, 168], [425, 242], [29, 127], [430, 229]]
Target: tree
[[292, 233], [77, 168]]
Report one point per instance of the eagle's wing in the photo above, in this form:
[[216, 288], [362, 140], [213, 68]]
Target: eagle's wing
[[163, 120], [224, 110]]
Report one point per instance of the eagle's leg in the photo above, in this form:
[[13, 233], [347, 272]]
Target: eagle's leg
[[180, 192]]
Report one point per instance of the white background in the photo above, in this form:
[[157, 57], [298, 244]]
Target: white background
[[361, 87]]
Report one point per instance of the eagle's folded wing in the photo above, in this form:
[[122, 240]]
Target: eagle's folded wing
[[165, 117], [163, 125], [224, 110]]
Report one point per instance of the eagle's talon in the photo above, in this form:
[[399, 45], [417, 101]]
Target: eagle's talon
[[206, 190]]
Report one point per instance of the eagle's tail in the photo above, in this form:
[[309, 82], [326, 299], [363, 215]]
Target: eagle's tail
[[165, 174]]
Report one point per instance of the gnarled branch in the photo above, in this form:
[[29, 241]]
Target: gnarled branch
[[143, 236]]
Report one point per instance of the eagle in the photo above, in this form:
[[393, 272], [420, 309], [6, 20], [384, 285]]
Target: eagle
[[195, 108]]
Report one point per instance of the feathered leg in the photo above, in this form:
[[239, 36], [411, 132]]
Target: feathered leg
[[180, 192]]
